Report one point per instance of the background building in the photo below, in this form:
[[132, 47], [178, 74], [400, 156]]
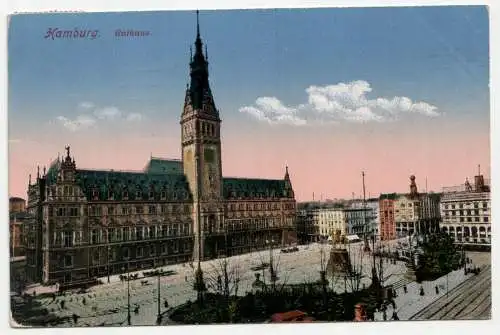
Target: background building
[[466, 212], [387, 220], [17, 205], [372, 215], [430, 214], [331, 220], [307, 227], [93, 223], [17, 216], [17, 222], [357, 221]]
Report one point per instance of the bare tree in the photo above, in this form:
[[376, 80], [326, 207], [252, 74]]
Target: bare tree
[[224, 277], [354, 271]]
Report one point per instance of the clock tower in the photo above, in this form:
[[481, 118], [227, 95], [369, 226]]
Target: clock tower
[[201, 143]]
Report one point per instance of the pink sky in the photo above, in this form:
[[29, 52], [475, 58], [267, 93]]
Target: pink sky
[[326, 160]]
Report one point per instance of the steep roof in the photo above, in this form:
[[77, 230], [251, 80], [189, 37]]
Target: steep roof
[[254, 188], [161, 165], [175, 185], [389, 196]]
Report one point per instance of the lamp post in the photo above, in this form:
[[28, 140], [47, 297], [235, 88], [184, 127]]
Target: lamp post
[[158, 318], [128, 296], [108, 249], [463, 250], [271, 265]]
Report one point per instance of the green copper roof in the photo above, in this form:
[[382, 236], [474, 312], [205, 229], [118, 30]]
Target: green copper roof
[[160, 165], [254, 188], [136, 185], [53, 171]]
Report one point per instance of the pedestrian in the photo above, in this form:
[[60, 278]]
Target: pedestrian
[[62, 304], [384, 315], [395, 316], [422, 293], [136, 309], [405, 289], [75, 318], [186, 278], [165, 303], [437, 289]]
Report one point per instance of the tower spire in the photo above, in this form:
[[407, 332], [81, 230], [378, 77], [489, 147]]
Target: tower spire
[[197, 24]]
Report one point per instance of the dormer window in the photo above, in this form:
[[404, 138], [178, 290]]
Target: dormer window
[[163, 195], [151, 194], [95, 194], [125, 194], [138, 194]]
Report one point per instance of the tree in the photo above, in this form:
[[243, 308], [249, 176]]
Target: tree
[[323, 281], [224, 278], [354, 271], [439, 255]]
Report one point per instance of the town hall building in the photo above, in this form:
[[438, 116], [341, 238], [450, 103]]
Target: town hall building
[[94, 223]]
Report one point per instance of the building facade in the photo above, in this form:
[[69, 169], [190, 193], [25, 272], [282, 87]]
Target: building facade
[[430, 214], [357, 221], [406, 214], [93, 223], [17, 223], [306, 226], [387, 210], [17, 205], [372, 216], [466, 212], [330, 221]]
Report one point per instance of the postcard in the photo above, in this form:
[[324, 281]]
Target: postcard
[[249, 166]]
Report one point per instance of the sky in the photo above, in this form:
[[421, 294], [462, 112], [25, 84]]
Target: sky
[[327, 92]]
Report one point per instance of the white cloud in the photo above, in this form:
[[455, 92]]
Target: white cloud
[[134, 117], [107, 113], [271, 110], [335, 103], [81, 122], [93, 114], [86, 105]]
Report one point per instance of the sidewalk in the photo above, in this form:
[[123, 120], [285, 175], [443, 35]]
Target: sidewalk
[[412, 302]]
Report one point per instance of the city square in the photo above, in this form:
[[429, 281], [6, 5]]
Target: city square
[[324, 195]]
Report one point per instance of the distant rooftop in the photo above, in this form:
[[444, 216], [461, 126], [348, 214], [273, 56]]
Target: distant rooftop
[[480, 185]]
